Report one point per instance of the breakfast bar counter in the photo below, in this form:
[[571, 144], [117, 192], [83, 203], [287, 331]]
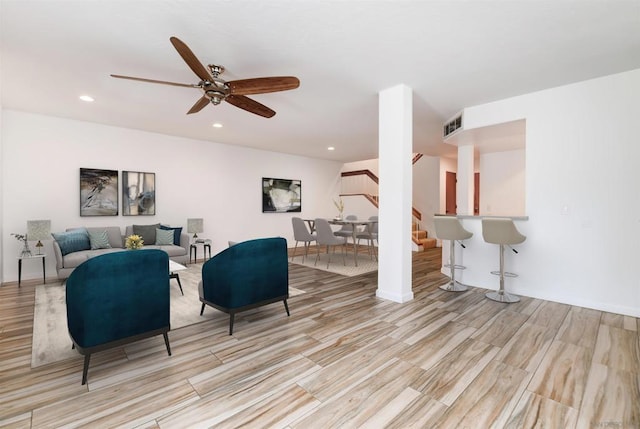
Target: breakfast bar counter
[[481, 258]]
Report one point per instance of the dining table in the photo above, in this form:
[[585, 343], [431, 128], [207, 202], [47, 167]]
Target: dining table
[[355, 223]]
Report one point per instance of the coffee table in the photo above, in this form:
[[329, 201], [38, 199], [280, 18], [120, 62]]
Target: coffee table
[[174, 267]]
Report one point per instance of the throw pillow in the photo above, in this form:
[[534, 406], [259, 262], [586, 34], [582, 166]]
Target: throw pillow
[[147, 232], [99, 240], [72, 241], [177, 232], [164, 237]]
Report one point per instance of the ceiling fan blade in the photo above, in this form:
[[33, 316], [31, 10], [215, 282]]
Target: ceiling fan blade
[[200, 104], [262, 85], [250, 105], [192, 61], [163, 82]]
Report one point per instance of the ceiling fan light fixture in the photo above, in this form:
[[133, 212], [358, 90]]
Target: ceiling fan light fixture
[[216, 97]]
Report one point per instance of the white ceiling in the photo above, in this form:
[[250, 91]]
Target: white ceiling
[[454, 54]]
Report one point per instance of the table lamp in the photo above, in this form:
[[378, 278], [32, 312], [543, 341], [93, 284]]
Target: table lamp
[[38, 230], [195, 226]]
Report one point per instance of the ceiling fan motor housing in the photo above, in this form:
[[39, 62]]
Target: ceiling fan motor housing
[[217, 89], [215, 96]]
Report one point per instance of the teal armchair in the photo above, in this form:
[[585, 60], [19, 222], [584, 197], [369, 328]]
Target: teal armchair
[[247, 275], [118, 298]]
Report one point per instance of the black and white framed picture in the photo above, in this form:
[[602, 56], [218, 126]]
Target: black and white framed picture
[[98, 192], [138, 193], [281, 195]]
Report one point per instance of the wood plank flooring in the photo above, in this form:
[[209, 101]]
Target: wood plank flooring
[[344, 359]]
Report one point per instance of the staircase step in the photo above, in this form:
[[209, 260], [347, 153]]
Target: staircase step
[[428, 243], [420, 234]]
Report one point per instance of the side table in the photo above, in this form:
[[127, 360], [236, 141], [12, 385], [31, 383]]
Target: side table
[[43, 257], [193, 249]]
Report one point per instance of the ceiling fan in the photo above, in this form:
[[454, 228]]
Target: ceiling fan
[[217, 89]]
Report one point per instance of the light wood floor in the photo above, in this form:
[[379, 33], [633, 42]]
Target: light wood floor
[[343, 359]]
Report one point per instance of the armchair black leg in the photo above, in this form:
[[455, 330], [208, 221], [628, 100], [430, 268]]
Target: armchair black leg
[[202, 309], [86, 368], [231, 317], [166, 343], [286, 307]]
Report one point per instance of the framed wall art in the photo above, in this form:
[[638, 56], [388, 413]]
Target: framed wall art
[[98, 192], [281, 195], [138, 193]]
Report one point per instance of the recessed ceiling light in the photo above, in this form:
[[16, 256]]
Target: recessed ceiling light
[[217, 125], [331, 148], [86, 98]]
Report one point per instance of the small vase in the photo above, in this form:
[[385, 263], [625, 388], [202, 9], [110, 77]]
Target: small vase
[[26, 252], [338, 217]]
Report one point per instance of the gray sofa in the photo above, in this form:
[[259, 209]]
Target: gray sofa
[[67, 263]]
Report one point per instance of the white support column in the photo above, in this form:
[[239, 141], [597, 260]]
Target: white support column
[[395, 189], [465, 184]]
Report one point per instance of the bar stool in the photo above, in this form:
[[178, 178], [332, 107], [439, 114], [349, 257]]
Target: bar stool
[[449, 228], [502, 231]]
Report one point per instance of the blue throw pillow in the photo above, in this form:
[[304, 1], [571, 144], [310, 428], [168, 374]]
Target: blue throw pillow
[[177, 231], [72, 241]]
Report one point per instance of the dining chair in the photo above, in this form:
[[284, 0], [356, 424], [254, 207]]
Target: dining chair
[[325, 237], [346, 230], [370, 233], [301, 233]]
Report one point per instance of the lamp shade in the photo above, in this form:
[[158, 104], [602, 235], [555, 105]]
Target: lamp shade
[[195, 225], [38, 230]]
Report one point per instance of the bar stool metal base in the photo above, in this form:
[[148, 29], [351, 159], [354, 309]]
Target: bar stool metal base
[[502, 296], [506, 274], [454, 286]]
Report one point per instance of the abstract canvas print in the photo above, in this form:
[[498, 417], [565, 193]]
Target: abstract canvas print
[[281, 195], [98, 192], [138, 193]]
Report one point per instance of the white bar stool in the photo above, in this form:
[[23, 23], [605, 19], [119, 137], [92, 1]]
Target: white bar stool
[[450, 228], [502, 231]]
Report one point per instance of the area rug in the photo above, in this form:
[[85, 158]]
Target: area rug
[[51, 342], [365, 264]]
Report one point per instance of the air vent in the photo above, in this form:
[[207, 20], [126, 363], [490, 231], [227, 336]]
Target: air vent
[[452, 126]]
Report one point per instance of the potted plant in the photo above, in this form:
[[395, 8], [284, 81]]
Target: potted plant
[[26, 252]]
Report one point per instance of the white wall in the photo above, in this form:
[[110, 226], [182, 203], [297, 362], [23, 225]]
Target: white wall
[[360, 183], [426, 190], [582, 194], [367, 164], [502, 183], [1, 176], [1, 192], [446, 164], [356, 205], [42, 156]]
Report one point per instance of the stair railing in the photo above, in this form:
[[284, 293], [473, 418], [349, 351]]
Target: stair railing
[[365, 183]]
